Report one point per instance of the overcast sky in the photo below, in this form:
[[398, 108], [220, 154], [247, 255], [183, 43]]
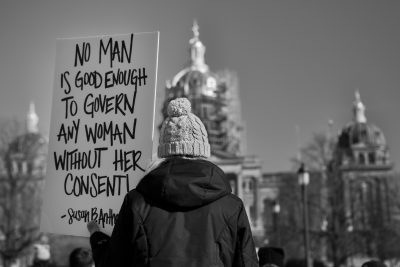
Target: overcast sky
[[298, 62]]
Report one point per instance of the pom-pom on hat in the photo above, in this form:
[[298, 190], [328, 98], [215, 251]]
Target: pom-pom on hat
[[182, 133]]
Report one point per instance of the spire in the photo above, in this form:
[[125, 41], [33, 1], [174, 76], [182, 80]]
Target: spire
[[32, 120], [197, 50], [195, 29], [358, 109]]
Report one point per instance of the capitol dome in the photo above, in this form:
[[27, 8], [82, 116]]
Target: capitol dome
[[196, 79]]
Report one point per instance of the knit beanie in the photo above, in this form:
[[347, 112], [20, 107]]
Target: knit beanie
[[182, 133]]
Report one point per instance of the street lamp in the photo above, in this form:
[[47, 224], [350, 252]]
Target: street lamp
[[304, 179], [276, 209]]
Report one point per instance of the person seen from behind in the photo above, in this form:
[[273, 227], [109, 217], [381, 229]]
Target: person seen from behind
[[182, 213]]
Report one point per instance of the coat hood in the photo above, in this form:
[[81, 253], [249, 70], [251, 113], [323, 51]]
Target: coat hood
[[184, 183]]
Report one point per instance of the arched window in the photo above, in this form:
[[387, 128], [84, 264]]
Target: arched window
[[20, 167], [371, 158], [361, 159], [30, 167]]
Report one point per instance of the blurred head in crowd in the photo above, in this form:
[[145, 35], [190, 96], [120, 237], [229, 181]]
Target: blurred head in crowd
[[81, 257], [373, 263], [271, 257]]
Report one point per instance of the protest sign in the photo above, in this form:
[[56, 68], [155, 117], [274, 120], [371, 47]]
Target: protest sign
[[101, 131]]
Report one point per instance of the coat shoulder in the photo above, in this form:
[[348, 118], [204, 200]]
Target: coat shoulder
[[232, 201], [134, 195], [137, 203], [229, 205]]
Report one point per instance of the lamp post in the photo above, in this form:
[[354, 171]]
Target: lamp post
[[276, 209], [304, 179]]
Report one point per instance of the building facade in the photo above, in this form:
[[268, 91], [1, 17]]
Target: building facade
[[363, 164]]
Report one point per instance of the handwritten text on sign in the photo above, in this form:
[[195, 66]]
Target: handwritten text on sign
[[101, 128]]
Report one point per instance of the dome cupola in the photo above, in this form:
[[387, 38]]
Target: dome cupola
[[359, 132], [196, 79]]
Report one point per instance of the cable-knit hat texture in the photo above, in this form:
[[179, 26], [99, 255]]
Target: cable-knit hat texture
[[182, 133]]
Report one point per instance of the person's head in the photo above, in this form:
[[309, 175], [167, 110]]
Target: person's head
[[271, 257], [182, 133], [373, 263], [81, 257]]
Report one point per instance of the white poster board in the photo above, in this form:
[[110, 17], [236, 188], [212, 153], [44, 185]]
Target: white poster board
[[102, 126]]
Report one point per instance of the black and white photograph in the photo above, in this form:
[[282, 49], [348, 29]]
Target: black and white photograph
[[199, 133]]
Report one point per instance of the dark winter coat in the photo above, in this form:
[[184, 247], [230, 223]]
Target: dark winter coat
[[181, 214]]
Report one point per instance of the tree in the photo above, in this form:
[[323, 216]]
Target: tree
[[388, 234], [21, 183]]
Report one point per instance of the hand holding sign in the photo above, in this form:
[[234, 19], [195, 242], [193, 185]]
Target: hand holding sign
[[92, 227], [101, 128]]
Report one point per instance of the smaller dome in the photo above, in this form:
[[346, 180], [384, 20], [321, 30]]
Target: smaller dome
[[361, 134], [28, 146]]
